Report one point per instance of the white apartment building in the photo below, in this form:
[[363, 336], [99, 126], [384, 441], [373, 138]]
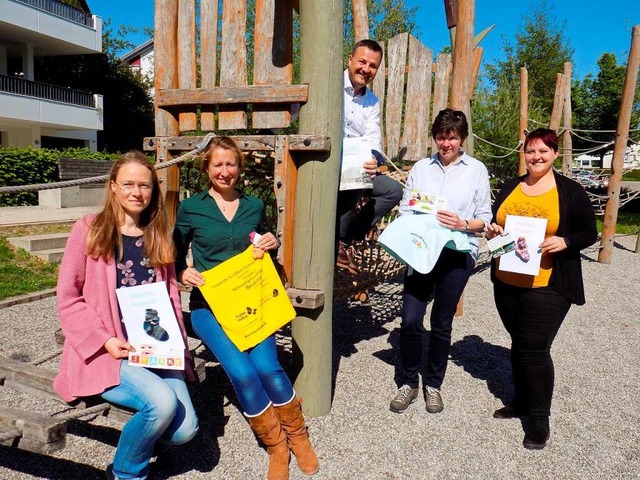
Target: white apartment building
[[33, 113]]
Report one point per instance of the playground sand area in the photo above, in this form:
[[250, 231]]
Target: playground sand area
[[595, 423]]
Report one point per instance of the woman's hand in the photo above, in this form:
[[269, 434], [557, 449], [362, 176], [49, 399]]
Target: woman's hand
[[371, 166], [553, 245], [493, 230], [190, 276], [118, 348], [268, 241], [450, 220]]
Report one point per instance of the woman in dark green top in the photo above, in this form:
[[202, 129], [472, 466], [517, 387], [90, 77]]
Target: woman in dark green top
[[217, 224]]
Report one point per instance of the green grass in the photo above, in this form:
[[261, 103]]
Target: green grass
[[22, 273], [627, 223], [632, 176]]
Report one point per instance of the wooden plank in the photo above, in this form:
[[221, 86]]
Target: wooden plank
[[208, 55], [166, 77], [273, 58], [441, 87], [378, 87], [397, 58], [39, 433], [463, 59], [233, 60], [35, 378], [187, 58], [415, 138], [258, 143], [309, 299], [241, 95], [285, 185]]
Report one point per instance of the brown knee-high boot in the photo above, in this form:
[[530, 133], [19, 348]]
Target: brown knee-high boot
[[268, 429], [292, 421]]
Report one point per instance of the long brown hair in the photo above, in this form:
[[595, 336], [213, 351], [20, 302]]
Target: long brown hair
[[104, 233]]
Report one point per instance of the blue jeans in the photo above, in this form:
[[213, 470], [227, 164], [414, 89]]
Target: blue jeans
[[256, 374], [446, 282], [164, 415]]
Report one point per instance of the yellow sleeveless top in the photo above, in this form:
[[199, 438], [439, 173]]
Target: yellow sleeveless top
[[538, 206]]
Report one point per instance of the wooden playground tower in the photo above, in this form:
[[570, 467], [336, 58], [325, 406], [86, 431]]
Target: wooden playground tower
[[307, 163]]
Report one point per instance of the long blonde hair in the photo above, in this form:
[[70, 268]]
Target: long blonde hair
[[104, 233]]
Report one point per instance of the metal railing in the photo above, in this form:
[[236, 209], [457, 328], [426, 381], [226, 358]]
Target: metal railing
[[44, 91], [61, 10]]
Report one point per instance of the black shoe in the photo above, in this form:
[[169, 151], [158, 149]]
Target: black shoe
[[537, 434], [508, 411], [108, 473]]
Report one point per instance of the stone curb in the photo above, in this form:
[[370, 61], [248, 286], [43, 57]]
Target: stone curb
[[27, 298]]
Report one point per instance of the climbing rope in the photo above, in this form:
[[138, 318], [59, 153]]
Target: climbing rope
[[200, 147]]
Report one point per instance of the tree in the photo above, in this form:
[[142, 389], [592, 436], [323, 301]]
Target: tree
[[596, 103], [128, 109], [542, 48]]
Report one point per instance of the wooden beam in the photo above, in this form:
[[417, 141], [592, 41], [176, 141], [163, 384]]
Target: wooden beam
[[208, 55], [233, 60], [463, 58], [558, 102], [253, 143], [622, 137], [187, 58], [285, 183], [38, 433], [524, 116], [360, 19], [262, 94], [309, 299], [567, 141], [314, 255]]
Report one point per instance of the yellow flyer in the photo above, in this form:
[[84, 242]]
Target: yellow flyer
[[248, 298]]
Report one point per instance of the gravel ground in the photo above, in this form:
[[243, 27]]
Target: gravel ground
[[595, 424]]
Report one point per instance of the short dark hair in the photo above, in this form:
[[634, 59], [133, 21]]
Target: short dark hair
[[545, 135], [450, 121], [368, 43]]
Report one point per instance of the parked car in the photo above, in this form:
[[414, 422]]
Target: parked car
[[589, 179]]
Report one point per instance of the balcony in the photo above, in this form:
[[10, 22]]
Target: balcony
[[61, 10], [49, 27], [44, 91]]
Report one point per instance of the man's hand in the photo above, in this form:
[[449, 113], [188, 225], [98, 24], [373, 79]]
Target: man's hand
[[371, 166]]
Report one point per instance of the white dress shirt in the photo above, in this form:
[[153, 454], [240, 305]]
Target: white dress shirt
[[361, 117], [465, 184]]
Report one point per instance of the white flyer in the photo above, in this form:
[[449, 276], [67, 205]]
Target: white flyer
[[152, 327], [355, 151], [427, 202], [527, 233]]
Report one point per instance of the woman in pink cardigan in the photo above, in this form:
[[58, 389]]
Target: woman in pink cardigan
[[128, 243]]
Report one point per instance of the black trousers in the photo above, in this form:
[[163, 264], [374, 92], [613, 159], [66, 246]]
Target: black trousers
[[532, 316], [352, 225], [446, 283]]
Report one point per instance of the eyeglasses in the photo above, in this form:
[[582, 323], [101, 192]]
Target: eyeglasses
[[457, 114], [129, 187]]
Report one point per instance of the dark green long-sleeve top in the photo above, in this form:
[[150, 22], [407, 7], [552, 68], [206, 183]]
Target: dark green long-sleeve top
[[213, 238]]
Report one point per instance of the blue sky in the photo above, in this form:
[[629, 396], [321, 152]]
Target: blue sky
[[593, 27]]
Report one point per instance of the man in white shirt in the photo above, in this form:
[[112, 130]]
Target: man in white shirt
[[361, 118]]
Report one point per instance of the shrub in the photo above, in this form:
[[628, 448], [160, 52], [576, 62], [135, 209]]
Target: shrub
[[28, 166]]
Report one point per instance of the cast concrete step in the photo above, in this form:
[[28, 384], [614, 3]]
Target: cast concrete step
[[34, 243], [49, 255]]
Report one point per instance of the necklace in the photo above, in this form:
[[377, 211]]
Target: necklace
[[223, 204]]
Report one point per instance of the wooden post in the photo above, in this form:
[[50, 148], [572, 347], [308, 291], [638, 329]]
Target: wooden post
[[441, 88], [314, 256], [166, 76], [524, 116], [360, 20], [463, 58], [622, 137], [558, 102], [567, 142]]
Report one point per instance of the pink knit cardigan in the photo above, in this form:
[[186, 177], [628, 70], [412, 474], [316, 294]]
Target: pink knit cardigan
[[89, 316]]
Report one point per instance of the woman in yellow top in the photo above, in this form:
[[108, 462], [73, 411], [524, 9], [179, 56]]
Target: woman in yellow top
[[532, 308]]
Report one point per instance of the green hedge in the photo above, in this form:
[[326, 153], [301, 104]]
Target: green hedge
[[27, 166]]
